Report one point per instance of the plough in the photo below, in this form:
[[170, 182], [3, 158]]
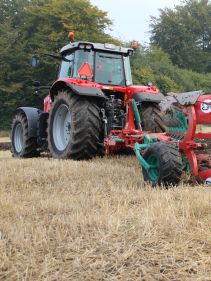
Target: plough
[[184, 147]]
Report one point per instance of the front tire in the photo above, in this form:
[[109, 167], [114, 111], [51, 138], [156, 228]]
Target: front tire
[[22, 145], [166, 164], [74, 127]]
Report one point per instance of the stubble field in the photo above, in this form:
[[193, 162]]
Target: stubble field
[[97, 220]]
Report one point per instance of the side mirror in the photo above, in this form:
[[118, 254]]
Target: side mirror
[[35, 61]]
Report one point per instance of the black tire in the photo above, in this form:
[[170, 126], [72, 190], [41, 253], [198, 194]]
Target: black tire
[[79, 138], [167, 161], [151, 118], [170, 118], [22, 146]]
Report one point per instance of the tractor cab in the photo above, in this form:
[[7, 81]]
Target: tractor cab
[[105, 64]]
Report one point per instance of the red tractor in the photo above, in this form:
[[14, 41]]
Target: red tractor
[[94, 109]]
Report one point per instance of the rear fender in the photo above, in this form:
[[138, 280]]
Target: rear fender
[[148, 97], [78, 90], [32, 114]]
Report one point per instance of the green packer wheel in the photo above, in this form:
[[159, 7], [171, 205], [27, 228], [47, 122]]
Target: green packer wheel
[[165, 164]]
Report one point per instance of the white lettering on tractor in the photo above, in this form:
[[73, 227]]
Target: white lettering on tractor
[[206, 106], [208, 181]]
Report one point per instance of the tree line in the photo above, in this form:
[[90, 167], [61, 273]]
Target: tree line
[[178, 58]]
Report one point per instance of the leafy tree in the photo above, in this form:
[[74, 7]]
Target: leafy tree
[[154, 65], [29, 26], [185, 34]]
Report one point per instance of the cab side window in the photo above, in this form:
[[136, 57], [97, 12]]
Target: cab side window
[[66, 68]]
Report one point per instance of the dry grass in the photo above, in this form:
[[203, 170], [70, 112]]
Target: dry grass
[[96, 220], [4, 139]]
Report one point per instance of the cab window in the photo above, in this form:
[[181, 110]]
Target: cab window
[[109, 69], [66, 67]]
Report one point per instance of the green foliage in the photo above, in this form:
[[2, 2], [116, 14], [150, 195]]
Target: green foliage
[[166, 84], [30, 26], [143, 75], [154, 65], [41, 26], [184, 33]]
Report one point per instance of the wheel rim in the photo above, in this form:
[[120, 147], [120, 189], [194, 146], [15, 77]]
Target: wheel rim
[[154, 167], [18, 138], [62, 127]]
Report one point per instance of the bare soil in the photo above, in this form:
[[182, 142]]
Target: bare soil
[[5, 143]]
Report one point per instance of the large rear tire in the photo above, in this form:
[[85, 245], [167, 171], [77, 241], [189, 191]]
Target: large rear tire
[[22, 145], [152, 118], [74, 127], [166, 164]]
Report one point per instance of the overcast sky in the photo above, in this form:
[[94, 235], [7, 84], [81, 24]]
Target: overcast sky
[[131, 18]]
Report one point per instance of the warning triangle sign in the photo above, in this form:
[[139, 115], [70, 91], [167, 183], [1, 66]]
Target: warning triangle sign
[[85, 70]]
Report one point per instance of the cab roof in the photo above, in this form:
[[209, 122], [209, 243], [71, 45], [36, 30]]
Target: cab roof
[[107, 47]]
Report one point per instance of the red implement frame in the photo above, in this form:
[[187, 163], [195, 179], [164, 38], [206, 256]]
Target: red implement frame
[[198, 114], [190, 146], [126, 138]]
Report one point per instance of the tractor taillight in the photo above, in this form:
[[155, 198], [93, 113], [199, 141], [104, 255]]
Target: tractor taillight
[[134, 45], [85, 46], [88, 47], [81, 46]]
